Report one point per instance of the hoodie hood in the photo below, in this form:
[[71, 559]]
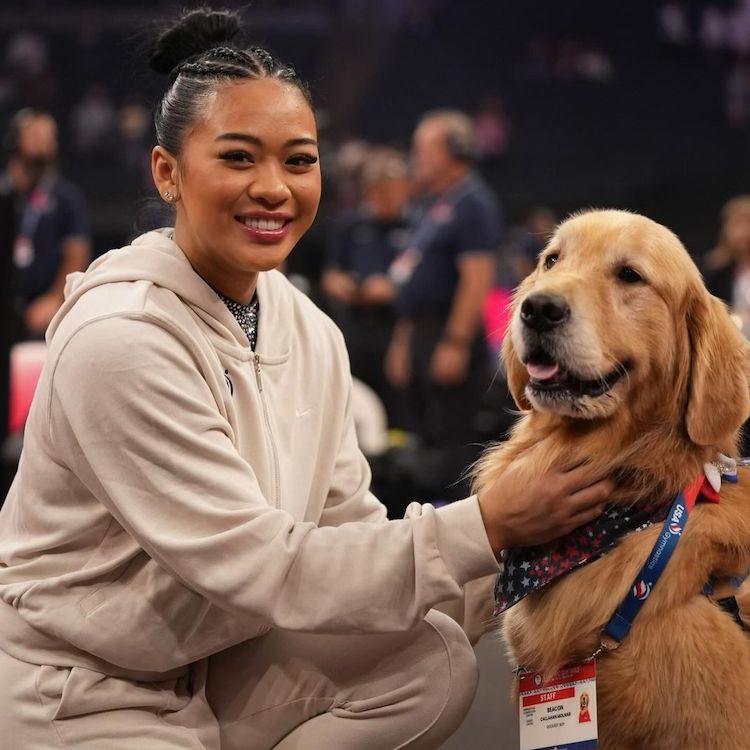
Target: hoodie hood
[[154, 257]]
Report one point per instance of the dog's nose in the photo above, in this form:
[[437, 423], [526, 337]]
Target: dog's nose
[[542, 312]]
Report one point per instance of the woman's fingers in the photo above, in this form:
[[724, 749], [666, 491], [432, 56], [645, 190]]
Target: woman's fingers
[[593, 496], [579, 477]]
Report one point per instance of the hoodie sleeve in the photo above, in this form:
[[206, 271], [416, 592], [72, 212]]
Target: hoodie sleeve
[[349, 497], [138, 426]]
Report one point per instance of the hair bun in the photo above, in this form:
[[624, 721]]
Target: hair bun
[[194, 32]]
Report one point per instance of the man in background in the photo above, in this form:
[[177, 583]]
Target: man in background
[[51, 236], [363, 245], [438, 350]]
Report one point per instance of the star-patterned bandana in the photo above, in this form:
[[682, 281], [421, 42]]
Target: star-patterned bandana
[[528, 569]]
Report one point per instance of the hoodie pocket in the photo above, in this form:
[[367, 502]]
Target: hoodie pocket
[[75, 691]]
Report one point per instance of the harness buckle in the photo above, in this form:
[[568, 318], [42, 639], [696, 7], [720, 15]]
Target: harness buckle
[[606, 644]]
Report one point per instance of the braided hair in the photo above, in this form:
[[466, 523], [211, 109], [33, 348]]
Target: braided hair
[[199, 52]]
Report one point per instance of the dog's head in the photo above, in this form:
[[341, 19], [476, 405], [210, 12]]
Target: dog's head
[[615, 319]]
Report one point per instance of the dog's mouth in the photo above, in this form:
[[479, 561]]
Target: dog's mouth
[[548, 377]]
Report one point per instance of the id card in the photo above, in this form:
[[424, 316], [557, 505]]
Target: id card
[[559, 713]]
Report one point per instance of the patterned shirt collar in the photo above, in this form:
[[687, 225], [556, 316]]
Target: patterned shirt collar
[[246, 316]]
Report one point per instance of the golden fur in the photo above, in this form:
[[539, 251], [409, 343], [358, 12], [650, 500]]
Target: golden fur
[[681, 678]]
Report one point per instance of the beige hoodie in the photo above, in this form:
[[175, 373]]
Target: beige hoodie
[[178, 493]]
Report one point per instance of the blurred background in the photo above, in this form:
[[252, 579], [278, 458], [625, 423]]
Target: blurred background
[[641, 106], [638, 105]]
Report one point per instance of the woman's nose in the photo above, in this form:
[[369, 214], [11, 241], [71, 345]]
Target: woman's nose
[[268, 184]]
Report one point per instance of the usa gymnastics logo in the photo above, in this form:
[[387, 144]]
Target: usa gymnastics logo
[[675, 523], [641, 590]]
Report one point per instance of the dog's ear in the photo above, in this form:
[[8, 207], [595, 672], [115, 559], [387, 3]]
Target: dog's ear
[[515, 372], [719, 389]]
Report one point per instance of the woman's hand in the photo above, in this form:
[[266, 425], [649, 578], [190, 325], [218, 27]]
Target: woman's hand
[[521, 512]]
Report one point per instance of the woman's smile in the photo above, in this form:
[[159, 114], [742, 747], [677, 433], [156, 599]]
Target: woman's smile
[[266, 227]]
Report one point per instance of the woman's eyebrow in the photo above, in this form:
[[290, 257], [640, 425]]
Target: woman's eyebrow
[[303, 141]]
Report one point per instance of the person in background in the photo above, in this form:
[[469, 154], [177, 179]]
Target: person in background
[[190, 555], [726, 267], [438, 351], [515, 260], [356, 281], [537, 230], [726, 271], [52, 238]]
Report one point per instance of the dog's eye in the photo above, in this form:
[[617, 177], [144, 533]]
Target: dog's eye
[[628, 275], [550, 261]]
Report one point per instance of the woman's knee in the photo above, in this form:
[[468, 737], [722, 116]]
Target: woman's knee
[[453, 681], [399, 690], [458, 650]]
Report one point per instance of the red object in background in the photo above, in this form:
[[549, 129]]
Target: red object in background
[[26, 361], [496, 314]]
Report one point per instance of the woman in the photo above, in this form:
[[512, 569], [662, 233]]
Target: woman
[[726, 267], [189, 555]]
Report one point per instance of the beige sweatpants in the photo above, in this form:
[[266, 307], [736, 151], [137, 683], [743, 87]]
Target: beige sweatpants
[[288, 691]]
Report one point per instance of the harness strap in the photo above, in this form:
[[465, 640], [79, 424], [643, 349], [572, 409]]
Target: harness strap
[[722, 591], [622, 620], [722, 588]]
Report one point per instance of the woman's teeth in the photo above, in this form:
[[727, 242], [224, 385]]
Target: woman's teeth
[[263, 224]]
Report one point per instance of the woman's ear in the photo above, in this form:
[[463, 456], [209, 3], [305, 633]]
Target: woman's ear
[[164, 172], [719, 387]]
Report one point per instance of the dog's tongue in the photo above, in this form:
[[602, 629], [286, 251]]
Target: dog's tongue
[[542, 372]]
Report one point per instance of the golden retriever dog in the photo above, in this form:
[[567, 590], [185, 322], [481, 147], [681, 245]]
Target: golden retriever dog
[[619, 356]]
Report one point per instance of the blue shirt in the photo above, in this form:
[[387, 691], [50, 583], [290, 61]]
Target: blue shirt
[[466, 219], [51, 213], [365, 246]]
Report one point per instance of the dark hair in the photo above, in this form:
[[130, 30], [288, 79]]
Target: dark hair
[[201, 50]]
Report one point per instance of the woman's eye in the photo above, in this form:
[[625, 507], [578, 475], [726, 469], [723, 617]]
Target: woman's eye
[[302, 160], [550, 261], [239, 156], [628, 275]]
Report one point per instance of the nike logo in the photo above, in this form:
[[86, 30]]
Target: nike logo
[[299, 413]]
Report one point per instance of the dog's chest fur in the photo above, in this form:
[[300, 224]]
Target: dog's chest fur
[[679, 631]]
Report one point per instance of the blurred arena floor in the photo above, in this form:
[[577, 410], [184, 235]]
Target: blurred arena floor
[[492, 723]]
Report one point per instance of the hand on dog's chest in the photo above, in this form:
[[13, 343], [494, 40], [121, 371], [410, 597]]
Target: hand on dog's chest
[[559, 713]]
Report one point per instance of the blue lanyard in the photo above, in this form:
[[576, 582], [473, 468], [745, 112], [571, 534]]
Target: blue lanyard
[[32, 212], [671, 531]]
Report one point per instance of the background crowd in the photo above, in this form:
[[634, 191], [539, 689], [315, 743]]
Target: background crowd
[[453, 137]]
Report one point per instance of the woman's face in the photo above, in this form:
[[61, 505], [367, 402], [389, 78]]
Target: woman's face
[[248, 183]]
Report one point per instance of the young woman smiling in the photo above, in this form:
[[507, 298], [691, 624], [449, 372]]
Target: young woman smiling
[[189, 555]]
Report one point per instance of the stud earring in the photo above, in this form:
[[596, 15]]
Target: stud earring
[[169, 196]]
